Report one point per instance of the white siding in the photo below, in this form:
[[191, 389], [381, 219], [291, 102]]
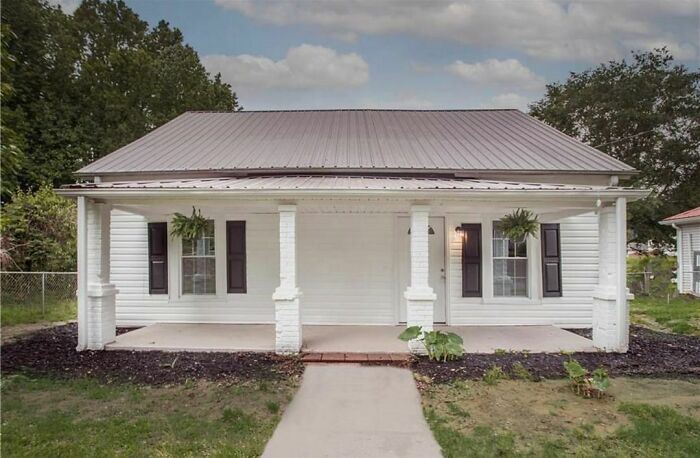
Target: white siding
[[130, 275], [346, 268], [690, 242], [579, 245]]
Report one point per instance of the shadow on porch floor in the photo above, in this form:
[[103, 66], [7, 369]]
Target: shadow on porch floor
[[346, 339]]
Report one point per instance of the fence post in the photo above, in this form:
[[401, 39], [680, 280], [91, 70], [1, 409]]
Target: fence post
[[43, 294]]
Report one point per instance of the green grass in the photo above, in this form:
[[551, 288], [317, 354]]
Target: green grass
[[681, 315], [47, 417], [643, 417], [12, 314]]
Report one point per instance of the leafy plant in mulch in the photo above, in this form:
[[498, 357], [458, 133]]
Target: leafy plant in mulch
[[189, 227], [494, 374], [520, 223], [583, 383], [440, 345]]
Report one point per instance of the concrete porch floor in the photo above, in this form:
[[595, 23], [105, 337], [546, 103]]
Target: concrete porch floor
[[347, 339]]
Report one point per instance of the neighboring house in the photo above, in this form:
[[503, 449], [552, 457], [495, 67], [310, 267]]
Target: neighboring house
[[372, 217], [687, 225]]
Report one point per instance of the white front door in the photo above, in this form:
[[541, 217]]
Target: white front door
[[436, 278]]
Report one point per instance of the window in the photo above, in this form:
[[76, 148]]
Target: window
[[199, 263], [509, 265]]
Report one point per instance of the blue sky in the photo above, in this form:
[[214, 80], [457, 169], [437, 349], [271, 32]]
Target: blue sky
[[416, 54]]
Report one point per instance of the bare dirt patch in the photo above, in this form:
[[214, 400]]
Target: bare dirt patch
[[549, 409], [52, 352]]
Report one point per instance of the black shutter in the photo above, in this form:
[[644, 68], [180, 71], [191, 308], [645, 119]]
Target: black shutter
[[551, 260], [235, 256], [158, 258], [471, 260]]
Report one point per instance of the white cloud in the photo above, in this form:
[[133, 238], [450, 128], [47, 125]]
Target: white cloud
[[68, 6], [493, 72], [304, 67], [509, 100], [590, 31]]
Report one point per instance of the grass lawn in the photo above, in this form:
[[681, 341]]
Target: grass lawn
[[681, 315], [12, 314], [642, 417], [47, 417]]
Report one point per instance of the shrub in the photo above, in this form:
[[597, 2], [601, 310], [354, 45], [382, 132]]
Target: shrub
[[493, 375], [585, 384], [39, 231], [440, 345]]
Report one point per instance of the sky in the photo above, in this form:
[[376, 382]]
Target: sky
[[416, 54]]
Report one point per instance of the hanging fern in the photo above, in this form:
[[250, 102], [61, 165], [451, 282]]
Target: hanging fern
[[189, 227], [519, 224]]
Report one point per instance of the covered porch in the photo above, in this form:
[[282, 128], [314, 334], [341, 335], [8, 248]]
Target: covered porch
[[343, 339], [385, 252]]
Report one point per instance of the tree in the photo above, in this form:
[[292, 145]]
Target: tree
[[39, 231], [647, 114], [87, 84]]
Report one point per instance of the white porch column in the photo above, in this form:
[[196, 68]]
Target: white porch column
[[610, 308], [419, 295], [96, 295], [288, 336]]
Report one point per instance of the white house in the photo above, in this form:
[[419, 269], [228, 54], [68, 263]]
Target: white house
[[687, 226], [353, 217]]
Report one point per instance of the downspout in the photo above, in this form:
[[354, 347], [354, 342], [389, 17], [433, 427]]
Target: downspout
[[679, 257]]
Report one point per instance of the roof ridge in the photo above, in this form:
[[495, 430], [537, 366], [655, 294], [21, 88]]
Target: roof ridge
[[322, 110]]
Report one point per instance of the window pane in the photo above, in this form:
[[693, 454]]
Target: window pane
[[509, 272], [199, 276], [202, 246]]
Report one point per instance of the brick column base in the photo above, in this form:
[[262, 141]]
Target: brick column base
[[101, 315], [419, 312], [288, 337]]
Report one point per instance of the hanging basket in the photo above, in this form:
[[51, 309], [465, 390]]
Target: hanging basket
[[189, 227], [520, 223]]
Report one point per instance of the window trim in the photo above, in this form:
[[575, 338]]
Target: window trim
[[528, 273], [181, 275]]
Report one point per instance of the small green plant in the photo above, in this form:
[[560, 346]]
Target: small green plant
[[494, 374], [500, 352], [440, 345], [189, 227], [272, 406], [520, 372], [584, 384], [520, 223]]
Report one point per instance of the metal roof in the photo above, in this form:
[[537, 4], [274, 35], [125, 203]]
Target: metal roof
[[693, 213], [334, 183], [356, 140]]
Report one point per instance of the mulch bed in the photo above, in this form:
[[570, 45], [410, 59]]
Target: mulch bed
[[651, 354], [51, 352]]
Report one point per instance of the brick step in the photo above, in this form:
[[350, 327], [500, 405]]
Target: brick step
[[355, 357]]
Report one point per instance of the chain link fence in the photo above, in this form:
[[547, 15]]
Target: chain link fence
[[37, 293]]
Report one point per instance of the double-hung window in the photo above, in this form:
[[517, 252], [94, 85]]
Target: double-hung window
[[199, 263], [510, 270]]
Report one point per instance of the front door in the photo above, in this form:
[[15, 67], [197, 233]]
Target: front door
[[436, 277]]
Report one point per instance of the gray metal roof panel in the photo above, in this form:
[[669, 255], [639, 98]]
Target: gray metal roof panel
[[335, 182], [454, 140]]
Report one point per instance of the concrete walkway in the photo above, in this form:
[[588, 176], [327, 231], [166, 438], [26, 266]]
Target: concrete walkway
[[354, 411]]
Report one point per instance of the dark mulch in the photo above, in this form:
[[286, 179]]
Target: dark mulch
[[651, 354], [51, 352]]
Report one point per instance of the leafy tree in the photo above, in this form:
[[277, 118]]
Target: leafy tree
[[39, 232], [87, 84], [11, 143], [646, 113]]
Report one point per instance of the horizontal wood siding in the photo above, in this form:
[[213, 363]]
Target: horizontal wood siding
[[690, 242], [345, 268], [130, 274], [579, 250]]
